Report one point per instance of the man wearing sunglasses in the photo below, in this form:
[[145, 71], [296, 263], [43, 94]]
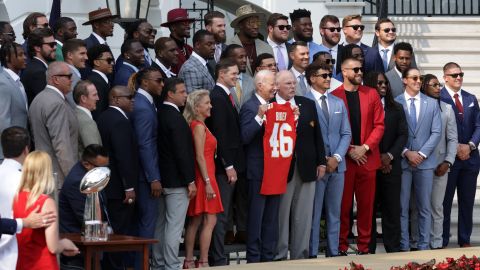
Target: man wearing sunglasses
[[464, 172], [7, 34], [330, 31], [101, 60], [278, 30], [303, 31], [353, 31], [326, 58]]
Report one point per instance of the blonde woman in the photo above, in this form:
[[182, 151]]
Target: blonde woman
[[37, 248], [206, 204]]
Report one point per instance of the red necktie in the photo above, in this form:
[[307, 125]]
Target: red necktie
[[459, 106], [231, 99]]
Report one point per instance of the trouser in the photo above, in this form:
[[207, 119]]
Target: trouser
[[147, 218], [238, 209]]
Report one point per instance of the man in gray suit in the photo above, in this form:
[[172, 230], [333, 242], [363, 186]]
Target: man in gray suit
[[247, 23], [195, 71], [445, 152], [402, 55], [75, 55], [53, 122], [299, 54], [419, 159], [13, 100], [86, 96]]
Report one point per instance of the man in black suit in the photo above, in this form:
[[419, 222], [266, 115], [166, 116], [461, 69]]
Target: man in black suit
[[102, 61], [176, 160], [118, 137], [225, 126], [41, 47], [308, 165]]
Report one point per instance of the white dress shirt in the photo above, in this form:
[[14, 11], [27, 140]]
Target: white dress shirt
[[171, 104], [416, 102], [389, 53], [203, 61], [165, 70], [451, 93], [85, 110], [101, 75], [262, 102], [99, 38]]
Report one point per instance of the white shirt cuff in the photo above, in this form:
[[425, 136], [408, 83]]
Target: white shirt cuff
[[129, 189], [229, 167], [338, 157], [422, 154], [19, 225], [390, 155], [259, 120]]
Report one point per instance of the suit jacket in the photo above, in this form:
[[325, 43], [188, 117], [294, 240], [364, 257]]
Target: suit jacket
[[34, 78], [92, 41], [103, 89], [468, 130], [313, 48], [145, 125], [260, 47], [54, 128], [13, 104], [372, 125], [395, 136], [175, 148], [182, 58], [8, 226], [336, 132], [225, 126], [373, 61], [196, 75], [396, 83], [87, 131], [248, 88], [252, 137], [118, 138], [391, 62], [309, 145], [447, 147], [212, 63], [75, 79], [425, 137], [122, 74]]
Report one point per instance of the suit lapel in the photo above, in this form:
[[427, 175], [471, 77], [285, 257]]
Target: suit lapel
[[405, 108], [363, 97], [423, 109]]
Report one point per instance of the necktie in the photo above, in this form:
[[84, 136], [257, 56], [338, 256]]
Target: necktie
[[324, 107], [459, 106], [384, 59], [413, 113], [218, 52], [301, 82], [238, 90], [211, 70], [281, 61], [231, 99]]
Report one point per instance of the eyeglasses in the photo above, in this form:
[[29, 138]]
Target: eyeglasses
[[436, 85], [387, 30], [380, 83], [52, 44], [9, 34], [356, 27], [110, 61], [324, 75], [455, 75], [415, 78], [44, 25], [130, 97], [158, 80], [330, 61], [333, 29], [69, 76], [283, 27], [355, 69]]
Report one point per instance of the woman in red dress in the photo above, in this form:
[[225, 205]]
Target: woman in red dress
[[206, 204], [37, 248]]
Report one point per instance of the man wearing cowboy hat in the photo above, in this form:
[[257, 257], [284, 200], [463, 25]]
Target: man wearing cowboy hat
[[179, 23], [101, 21], [247, 23]]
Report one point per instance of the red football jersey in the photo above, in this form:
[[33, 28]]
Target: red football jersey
[[278, 146]]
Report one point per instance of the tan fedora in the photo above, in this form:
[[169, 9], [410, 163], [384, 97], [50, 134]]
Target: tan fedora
[[245, 12], [100, 13]]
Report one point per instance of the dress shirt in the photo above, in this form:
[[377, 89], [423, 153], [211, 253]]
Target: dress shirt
[[59, 42], [262, 102], [333, 51], [146, 94], [416, 102], [227, 91], [280, 100], [389, 53], [101, 75], [398, 72], [120, 110], [56, 90], [99, 38], [87, 111], [171, 104], [44, 63], [203, 61], [451, 93], [283, 48], [296, 74], [166, 70]]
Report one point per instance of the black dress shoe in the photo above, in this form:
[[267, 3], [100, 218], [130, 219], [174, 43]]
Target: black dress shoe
[[312, 257], [414, 249], [342, 253]]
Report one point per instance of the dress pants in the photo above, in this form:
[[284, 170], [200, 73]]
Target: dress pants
[[238, 209], [295, 218], [464, 179], [420, 183], [217, 256], [328, 193], [172, 210], [360, 182], [262, 224], [439, 186], [388, 200]]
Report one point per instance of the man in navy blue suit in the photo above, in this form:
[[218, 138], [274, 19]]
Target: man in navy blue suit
[[133, 56], [464, 172]]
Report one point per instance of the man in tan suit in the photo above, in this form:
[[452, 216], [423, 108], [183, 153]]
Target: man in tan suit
[[53, 122]]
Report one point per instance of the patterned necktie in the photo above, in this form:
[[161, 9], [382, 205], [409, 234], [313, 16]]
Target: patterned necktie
[[238, 90], [459, 106], [301, 82], [218, 52], [325, 107], [384, 59], [413, 113], [281, 61]]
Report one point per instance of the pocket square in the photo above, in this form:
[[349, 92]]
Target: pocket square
[[471, 105]]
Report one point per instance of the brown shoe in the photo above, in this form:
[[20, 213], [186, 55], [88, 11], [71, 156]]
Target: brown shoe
[[229, 238], [241, 237]]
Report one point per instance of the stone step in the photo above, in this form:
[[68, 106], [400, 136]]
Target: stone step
[[440, 40], [439, 24], [441, 55]]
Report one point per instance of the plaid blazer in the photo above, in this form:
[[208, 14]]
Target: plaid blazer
[[196, 75]]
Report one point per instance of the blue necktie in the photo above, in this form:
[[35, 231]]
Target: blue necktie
[[325, 107], [384, 59], [280, 59], [303, 86], [413, 113]]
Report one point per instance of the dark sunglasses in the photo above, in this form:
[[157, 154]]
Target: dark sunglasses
[[355, 69], [387, 30], [69, 76], [333, 29], [455, 75], [52, 44], [109, 60], [380, 83], [158, 80], [130, 97], [282, 27], [9, 34], [415, 78], [330, 61], [436, 85], [45, 25], [356, 27], [324, 75]]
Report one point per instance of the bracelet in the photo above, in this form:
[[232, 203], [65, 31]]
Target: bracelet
[[207, 180]]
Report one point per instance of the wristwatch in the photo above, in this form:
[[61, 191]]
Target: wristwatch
[[472, 146]]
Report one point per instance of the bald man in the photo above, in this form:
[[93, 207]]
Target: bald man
[[53, 121]]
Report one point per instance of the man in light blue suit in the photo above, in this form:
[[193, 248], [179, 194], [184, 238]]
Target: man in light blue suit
[[419, 160], [335, 127]]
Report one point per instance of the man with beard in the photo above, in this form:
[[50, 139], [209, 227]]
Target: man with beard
[[133, 59], [7, 34], [166, 55], [41, 47], [64, 29], [402, 55], [101, 21], [330, 32], [215, 24], [179, 23], [299, 55], [195, 72], [278, 30], [247, 23], [303, 31], [34, 20], [363, 157]]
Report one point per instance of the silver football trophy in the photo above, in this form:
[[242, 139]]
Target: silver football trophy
[[92, 183]]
